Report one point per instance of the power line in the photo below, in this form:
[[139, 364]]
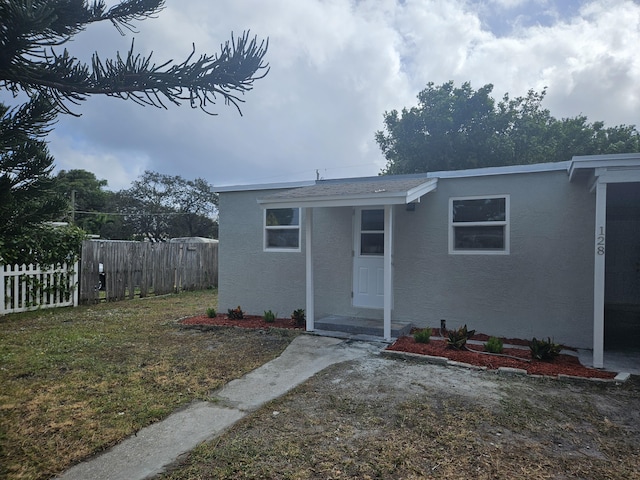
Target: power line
[[163, 214]]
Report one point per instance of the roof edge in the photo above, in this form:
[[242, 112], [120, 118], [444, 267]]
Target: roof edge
[[503, 170], [263, 186], [472, 172]]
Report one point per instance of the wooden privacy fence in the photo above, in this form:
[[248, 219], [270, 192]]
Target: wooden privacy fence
[[30, 287], [116, 270]]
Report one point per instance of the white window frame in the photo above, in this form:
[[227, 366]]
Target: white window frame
[[281, 227], [358, 246], [505, 223]]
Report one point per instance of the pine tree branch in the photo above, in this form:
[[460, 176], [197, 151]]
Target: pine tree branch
[[26, 66]]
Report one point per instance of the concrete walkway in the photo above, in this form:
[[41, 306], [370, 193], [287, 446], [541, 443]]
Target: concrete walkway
[[155, 447]]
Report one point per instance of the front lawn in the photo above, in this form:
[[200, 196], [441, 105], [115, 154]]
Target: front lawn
[[78, 380]]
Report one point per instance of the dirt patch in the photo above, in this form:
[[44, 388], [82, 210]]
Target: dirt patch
[[563, 364], [382, 418]]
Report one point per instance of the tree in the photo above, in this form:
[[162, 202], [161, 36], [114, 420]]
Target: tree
[[158, 207], [27, 194], [458, 128], [28, 62], [53, 81], [86, 197]]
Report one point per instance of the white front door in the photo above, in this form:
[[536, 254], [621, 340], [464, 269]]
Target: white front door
[[368, 258]]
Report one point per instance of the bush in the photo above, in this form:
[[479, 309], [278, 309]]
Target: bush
[[269, 316], [299, 317], [493, 345], [457, 339], [544, 350], [235, 313], [422, 336], [211, 312]]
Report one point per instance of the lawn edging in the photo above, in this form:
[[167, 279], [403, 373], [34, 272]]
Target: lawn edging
[[621, 377]]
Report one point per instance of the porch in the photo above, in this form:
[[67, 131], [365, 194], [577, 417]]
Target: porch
[[359, 328]]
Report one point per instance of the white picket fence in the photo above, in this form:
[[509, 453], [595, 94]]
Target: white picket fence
[[30, 287]]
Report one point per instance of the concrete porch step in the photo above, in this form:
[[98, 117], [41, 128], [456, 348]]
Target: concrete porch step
[[361, 326]]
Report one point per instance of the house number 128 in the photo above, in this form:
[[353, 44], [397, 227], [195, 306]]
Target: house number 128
[[600, 238]]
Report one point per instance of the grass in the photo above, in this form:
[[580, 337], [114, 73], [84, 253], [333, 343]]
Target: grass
[[326, 428], [75, 381], [78, 380]]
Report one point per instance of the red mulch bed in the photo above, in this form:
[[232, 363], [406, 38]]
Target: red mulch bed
[[249, 321], [562, 364]]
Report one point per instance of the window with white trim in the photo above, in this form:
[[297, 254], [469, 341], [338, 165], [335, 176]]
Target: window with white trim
[[282, 229], [479, 225]]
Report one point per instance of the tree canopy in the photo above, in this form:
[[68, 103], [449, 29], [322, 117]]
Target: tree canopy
[[158, 207], [46, 82], [86, 196], [455, 128]]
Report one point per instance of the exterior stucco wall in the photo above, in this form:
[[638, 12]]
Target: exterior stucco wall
[[248, 276], [543, 287]]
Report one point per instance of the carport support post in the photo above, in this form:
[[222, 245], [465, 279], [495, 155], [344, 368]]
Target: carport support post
[[599, 273], [310, 314], [388, 276]]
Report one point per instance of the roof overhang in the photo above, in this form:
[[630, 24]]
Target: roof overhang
[[354, 193], [617, 168]]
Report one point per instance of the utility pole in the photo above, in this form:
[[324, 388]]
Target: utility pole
[[73, 207]]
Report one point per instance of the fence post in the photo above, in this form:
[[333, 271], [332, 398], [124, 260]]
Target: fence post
[[74, 280], [3, 308]]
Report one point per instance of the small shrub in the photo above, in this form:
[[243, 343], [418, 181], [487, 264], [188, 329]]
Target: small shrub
[[211, 312], [493, 345], [457, 339], [269, 316], [544, 350], [235, 313], [299, 317], [423, 336]]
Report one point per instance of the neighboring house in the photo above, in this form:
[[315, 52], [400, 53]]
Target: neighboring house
[[516, 251]]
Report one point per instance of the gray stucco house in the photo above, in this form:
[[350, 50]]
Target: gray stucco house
[[518, 251]]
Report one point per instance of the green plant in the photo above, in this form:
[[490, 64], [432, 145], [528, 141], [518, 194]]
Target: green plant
[[493, 345], [457, 339], [544, 350], [423, 336], [211, 312], [269, 316], [235, 313], [299, 317]]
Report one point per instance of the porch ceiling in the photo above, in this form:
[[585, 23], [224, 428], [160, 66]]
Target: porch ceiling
[[355, 192]]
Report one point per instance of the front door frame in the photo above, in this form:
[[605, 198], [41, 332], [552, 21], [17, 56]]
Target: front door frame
[[370, 295]]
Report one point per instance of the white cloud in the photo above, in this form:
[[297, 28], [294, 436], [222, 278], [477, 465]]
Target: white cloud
[[118, 170], [336, 67]]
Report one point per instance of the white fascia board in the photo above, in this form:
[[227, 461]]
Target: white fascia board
[[505, 170], [417, 192], [263, 186], [608, 158]]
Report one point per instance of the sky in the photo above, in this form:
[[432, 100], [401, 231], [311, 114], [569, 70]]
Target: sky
[[336, 66]]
